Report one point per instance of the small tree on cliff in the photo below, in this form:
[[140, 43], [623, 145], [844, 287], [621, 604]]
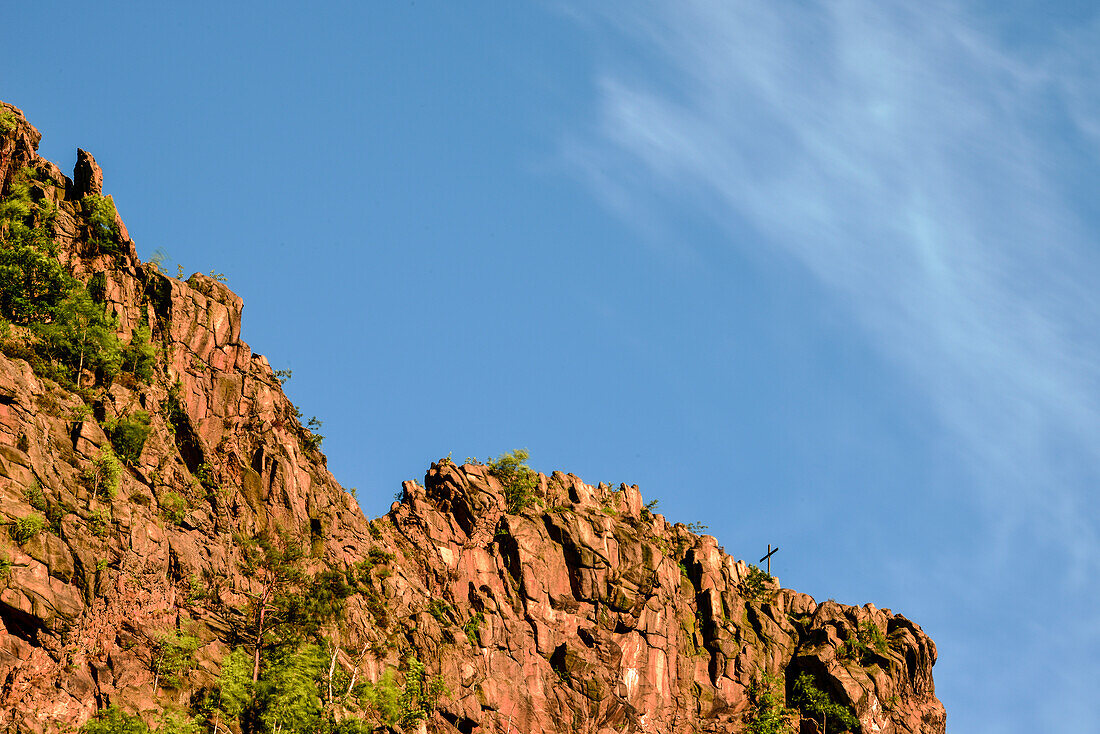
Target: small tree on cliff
[[103, 231], [32, 280], [274, 562], [517, 479], [768, 714], [82, 335]]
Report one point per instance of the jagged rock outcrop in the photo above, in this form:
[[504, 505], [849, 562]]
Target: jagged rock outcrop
[[582, 612]]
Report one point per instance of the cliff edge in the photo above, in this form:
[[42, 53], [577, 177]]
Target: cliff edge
[[175, 553]]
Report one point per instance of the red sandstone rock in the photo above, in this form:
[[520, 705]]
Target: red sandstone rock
[[583, 613], [87, 176]]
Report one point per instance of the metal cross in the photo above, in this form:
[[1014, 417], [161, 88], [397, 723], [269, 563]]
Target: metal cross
[[768, 557]]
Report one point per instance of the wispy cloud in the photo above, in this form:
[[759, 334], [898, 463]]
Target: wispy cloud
[[903, 156]]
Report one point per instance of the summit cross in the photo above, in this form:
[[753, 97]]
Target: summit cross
[[768, 557]]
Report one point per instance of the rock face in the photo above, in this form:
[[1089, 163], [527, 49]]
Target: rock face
[[582, 612]]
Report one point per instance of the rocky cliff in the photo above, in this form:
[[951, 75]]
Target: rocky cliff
[[488, 599]]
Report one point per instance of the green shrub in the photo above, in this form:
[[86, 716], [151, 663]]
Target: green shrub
[[140, 356], [8, 120], [5, 568], [234, 684], [311, 439], [25, 528], [517, 479], [99, 523], [768, 714], [80, 413], [472, 626], [128, 434], [205, 474], [173, 655], [868, 637], [32, 280], [816, 704], [174, 507], [383, 698], [176, 722], [196, 589], [324, 599], [36, 497], [378, 556], [103, 232], [420, 695], [82, 335], [55, 513], [756, 586], [441, 610], [114, 720], [287, 698], [104, 474]]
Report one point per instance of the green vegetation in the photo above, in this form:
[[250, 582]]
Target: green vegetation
[[36, 497], [104, 474], [311, 439], [205, 475], [517, 479], [99, 523], [173, 656], [442, 611], [284, 675], [5, 568], [80, 413], [472, 626], [103, 232], [32, 280], [69, 328], [303, 691], [421, 694], [140, 356], [196, 589], [114, 720], [816, 704], [768, 715], [8, 120], [81, 335], [234, 688], [174, 506], [273, 560], [55, 512], [382, 698], [128, 434], [756, 586], [25, 528], [287, 697], [867, 640], [157, 259]]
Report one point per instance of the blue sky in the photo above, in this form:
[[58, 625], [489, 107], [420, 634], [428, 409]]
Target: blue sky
[[820, 275]]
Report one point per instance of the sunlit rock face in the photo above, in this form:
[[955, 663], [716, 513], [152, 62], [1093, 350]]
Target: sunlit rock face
[[582, 611]]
